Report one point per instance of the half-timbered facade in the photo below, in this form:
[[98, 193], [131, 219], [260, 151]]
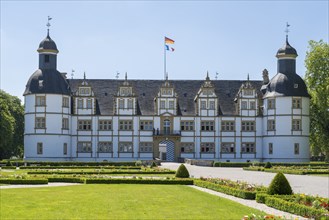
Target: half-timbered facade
[[225, 120]]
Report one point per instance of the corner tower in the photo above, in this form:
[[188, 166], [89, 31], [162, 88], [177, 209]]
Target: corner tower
[[286, 111], [47, 101]]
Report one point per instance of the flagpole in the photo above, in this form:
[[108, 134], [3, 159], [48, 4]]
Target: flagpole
[[165, 54]]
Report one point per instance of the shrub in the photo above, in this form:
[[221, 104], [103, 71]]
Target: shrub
[[279, 185], [268, 165], [261, 197], [66, 180], [24, 181], [182, 172], [153, 164], [9, 164]]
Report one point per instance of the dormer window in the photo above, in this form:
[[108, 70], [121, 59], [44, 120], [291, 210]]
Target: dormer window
[[203, 104], [248, 92], [125, 91], [121, 104], [130, 103], [244, 104], [46, 58], [166, 92], [212, 105], [296, 86]]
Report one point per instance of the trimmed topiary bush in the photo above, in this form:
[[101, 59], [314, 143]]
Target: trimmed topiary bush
[[182, 172], [153, 164], [268, 165], [279, 186]]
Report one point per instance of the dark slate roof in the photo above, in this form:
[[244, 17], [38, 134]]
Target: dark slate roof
[[286, 49], [284, 85], [47, 81], [147, 90], [47, 44]]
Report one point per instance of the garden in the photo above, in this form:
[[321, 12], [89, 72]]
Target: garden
[[143, 185]]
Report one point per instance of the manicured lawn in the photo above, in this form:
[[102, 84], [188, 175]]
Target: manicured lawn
[[117, 202]]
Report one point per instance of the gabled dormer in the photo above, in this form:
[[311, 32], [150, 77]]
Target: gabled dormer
[[125, 102], [84, 99], [247, 99], [206, 100], [166, 101]]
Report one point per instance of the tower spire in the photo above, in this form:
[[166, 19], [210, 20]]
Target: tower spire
[[126, 76], [84, 75], [48, 25], [207, 78]]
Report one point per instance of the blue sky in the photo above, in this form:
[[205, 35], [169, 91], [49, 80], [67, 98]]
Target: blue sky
[[233, 38]]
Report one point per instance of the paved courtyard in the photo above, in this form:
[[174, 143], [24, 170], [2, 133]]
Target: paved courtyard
[[312, 185]]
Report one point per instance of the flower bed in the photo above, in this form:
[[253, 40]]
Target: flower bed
[[290, 170], [299, 204], [103, 172], [237, 189]]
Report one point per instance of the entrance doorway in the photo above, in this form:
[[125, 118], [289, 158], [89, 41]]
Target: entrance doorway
[[167, 150]]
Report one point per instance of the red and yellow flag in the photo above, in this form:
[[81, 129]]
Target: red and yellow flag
[[169, 41]]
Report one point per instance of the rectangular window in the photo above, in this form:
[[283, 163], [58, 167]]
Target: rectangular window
[[121, 103], [228, 125], [39, 148], [47, 59], [248, 148], [80, 103], [228, 147], [66, 101], [271, 103], [40, 101], [244, 104], [84, 91], [130, 103], [296, 124], [162, 104], [296, 148], [145, 147], [84, 147], [105, 147], [40, 122], [125, 147], [104, 125], [65, 148], [211, 105], [270, 148], [270, 125], [146, 125], [65, 123], [296, 103], [248, 126], [84, 125], [207, 126], [248, 92], [252, 105], [126, 125], [89, 103], [171, 104], [207, 147], [187, 125], [187, 147], [203, 104]]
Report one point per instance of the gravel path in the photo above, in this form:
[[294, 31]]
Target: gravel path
[[312, 185], [252, 204]]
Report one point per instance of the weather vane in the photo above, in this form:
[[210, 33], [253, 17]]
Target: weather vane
[[117, 76], [287, 29], [72, 73], [216, 75], [48, 24]]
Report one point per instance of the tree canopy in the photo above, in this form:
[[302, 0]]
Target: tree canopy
[[11, 126], [317, 80]]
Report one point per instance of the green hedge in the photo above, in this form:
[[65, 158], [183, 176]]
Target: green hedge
[[247, 164], [261, 197], [66, 180], [8, 167], [141, 181], [24, 181], [296, 172], [73, 163], [294, 208], [226, 189], [81, 167], [101, 172]]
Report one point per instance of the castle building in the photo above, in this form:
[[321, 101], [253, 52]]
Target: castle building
[[123, 120]]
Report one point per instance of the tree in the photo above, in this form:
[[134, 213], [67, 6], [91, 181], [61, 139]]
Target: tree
[[11, 126], [317, 80]]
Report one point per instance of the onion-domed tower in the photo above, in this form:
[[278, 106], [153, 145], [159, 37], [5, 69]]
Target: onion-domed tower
[[286, 112], [47, 102]]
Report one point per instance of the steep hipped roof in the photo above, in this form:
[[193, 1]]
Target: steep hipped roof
[[146, 90], [47, 44]]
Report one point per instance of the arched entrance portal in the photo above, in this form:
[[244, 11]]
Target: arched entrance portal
[[167, 150]]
